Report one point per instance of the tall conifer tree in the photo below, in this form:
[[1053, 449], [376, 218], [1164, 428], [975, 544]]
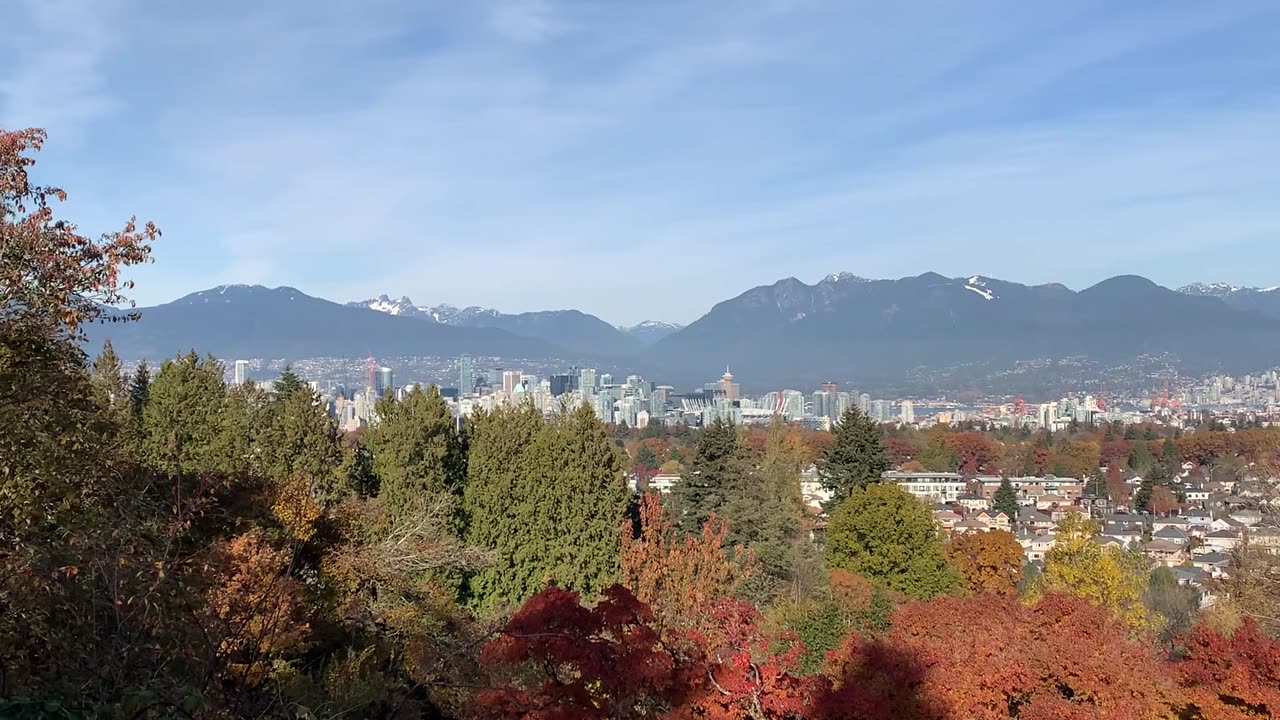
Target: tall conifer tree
[[857, 458]]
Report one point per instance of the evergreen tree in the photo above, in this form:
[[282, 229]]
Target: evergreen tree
[[889, 537], [1005, 500], [140, 388], [502, 503], [704, 488], [1140, 457], [857, 458], [417, 453], [646, 458], [182, 419], [301, 439], [765, 511], [361, 479], [547, 499], [241, 427], [109, 381], [1169, 456], [589, 495], [288, 384]]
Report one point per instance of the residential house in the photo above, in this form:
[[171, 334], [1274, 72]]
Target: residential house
[[995, 520], [1039, 547], [1037, 522], [1266, 536], [1171, 534], [1221, 540], [1215, 564], [1174, 521], [967, 526], [1197, 494], [1249, 517], [663, 483], [1052, 500], [1128, 535], [973, 503], [946, 520], [1164, 552]]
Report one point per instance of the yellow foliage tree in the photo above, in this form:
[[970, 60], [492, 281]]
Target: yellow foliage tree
[[1079, 565]]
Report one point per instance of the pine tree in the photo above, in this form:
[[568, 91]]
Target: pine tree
[[1005, 500], [704, 488], [857, 458], [417, 453], [140, 388], [182, 419]]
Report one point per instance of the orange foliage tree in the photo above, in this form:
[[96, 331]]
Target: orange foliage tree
[[677, 574], [987, 658], [990, 562]]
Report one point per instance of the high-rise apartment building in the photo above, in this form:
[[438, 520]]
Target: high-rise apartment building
[[466, 375], [864, 403], [907, 412], [242, 372], [385, 382], [587, 381]]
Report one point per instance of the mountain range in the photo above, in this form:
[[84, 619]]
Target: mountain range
[[575, 331], [843, 327]]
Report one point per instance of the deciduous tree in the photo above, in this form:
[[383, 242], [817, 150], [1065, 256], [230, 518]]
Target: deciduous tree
[[1105, 575], [884, 534], [989, 562]]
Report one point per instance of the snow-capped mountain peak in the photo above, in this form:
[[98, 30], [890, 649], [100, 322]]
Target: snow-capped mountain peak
[[843, 277], [978, 284]]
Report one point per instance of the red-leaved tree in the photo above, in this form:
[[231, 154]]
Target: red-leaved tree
[[1230, 677], [48, 271]]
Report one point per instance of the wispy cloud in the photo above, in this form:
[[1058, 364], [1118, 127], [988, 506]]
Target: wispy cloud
[[551, 154]]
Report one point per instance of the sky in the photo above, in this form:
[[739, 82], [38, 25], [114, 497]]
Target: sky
[[646, 160]]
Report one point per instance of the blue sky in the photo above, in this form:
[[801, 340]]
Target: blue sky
[[646, 160]]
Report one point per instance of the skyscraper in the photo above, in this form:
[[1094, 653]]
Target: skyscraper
[[560, 384], [587, 381], [510, 379], [907, 412], [864, 403], [466, 375], [386, 381], [242, 372]]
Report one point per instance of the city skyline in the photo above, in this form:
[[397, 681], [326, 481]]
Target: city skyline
[[484, 142]]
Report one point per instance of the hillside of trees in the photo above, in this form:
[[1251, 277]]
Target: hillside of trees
[[171, 546]]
